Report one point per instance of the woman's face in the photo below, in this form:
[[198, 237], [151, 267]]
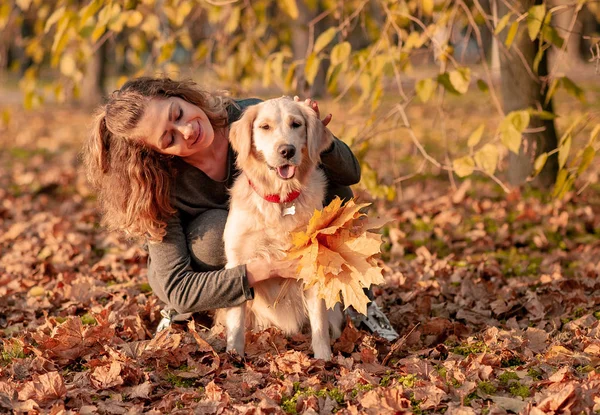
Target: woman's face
[[174, 126]]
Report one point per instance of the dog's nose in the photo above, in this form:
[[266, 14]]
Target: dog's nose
[[287, 151]]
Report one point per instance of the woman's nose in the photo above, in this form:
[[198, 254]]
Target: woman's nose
[[186, 130]]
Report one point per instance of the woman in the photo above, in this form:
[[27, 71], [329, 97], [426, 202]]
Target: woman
[[160, 159]]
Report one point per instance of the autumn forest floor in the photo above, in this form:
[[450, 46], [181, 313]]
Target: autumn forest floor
[[496, 297]]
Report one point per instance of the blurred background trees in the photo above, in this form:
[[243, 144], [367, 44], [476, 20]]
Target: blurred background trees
[[372, 55]]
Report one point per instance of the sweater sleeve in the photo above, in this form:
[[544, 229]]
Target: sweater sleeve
[[340, 164], [171, 276]]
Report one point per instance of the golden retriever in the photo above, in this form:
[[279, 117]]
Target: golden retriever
[[278, 144]]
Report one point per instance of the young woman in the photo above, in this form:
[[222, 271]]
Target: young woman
[[160, 160]]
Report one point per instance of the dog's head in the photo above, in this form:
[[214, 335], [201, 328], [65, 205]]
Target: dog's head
[[284, 135]]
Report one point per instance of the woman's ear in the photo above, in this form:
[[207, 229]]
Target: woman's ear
[[318, 138], [240, 134]]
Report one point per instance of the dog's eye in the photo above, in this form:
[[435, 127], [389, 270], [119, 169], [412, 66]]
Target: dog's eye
[[265, 127], [296, 124]]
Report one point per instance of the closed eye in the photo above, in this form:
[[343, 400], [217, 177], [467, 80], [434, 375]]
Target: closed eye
[[296, 124], [265, 126], [179, 115]]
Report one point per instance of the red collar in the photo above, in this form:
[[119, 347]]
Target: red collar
[[274, 198]]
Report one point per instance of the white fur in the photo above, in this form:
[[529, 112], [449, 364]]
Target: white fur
[[256, 228]]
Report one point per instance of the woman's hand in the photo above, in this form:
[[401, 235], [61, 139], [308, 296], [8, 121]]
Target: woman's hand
[[315, 106], [261, 270]]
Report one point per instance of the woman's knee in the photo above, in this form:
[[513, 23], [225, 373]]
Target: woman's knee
[[205, 240]]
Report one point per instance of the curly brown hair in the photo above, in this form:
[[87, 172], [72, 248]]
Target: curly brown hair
[[133, 181]]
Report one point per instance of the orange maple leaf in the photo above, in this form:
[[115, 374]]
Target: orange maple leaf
[[336, 253]]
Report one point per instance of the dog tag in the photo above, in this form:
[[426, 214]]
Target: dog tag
[[288, 209]]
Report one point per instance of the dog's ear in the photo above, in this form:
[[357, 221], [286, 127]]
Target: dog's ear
[[240, 134], [318, 138]]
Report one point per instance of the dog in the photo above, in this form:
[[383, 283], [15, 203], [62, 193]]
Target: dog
[[278, 144]]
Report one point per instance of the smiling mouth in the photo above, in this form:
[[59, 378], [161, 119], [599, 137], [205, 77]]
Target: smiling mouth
[[198, 134], [286, 172]]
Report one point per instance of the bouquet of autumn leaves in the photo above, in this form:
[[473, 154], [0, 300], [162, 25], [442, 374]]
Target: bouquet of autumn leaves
[[337, 253]]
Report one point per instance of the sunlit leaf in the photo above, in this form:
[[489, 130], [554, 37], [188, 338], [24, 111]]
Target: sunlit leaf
[[475, 136], [486, 158], [336, 252], [595, 132], [511, 129], [563, 151], [289, 7], [586, 159], [502, 23], [57, 14], [427, 7], [68, 67], [463, 166], [425, 89], [340, 53], [549, 33], [535, 18], [512, 32], [324, 39], [539, 163], [135, 18], [234, 20], [460, 79], [311, 68]]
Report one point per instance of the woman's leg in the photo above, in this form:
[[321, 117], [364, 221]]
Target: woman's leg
[[205, 243], [205, 240]]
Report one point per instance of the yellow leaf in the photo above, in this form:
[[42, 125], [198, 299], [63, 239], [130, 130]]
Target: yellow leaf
[[151, 25], [427, 7], [336, 253], [290, 8], [311, 68], [486, 158], [463, 166], [475, 136], [68, 67], [512, 32], [340, 53], [425, 89], [324, 39], [535, 18], [135, 18]]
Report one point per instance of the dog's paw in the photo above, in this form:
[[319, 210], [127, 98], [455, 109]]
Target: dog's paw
[[322, 351]]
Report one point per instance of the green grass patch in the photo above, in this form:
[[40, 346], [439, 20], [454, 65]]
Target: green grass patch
[[469, 349], [507, 376], [487, 387], [518, 389], [289, 403]]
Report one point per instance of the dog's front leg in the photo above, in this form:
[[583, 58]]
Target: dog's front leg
[[235, 323], [319, 325]]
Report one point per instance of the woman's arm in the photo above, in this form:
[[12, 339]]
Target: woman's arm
[[171, 276], [340, 164]]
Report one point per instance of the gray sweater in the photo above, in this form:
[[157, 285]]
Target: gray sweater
[[170, 266]]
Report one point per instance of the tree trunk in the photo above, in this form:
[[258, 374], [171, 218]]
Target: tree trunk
[[300, 33], [571, 59], [92, 86], [521, 89]]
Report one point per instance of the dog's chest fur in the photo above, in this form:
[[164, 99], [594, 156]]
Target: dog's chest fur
[[268, 235]]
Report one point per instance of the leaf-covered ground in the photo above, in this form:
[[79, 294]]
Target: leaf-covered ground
[[496, 298]]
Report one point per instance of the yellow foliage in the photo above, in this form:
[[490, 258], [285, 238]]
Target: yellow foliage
[[336, 253]]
